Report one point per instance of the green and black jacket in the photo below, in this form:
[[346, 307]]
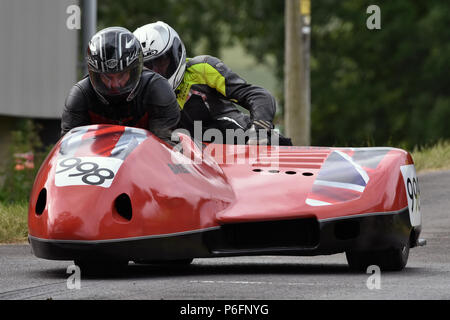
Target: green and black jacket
[[209, 91]]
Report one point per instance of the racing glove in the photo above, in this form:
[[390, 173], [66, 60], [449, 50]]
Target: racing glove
[[259, 132]]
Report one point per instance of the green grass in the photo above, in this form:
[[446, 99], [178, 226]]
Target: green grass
[[13, 222], [13, 217], [432, 158]]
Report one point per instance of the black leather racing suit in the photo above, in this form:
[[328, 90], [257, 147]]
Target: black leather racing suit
[[208, 92], [154, 107]]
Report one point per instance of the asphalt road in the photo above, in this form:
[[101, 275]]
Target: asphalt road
[[427, 275]]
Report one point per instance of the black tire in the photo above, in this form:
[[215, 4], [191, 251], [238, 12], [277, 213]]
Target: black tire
[[103, 267], [178, 262], [394, 259]]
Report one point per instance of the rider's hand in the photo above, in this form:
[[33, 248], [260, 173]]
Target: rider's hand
[[259, 132]]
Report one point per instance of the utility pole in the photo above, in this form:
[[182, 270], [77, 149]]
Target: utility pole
[[89, 27], [297, 86]]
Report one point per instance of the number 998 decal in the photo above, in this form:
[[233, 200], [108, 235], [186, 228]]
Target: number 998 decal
[[94, 171], [412, 193]]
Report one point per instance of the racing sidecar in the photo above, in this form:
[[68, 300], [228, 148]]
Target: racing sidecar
[[110, 193]]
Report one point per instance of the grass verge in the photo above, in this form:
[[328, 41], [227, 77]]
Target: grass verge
[[13, 222], [436, 157]]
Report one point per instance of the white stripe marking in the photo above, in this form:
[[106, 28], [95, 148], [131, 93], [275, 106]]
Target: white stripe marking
[[316, 203], [361, 171], [252, 282]]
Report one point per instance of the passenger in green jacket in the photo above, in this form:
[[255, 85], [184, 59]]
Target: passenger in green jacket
[[207, 90]]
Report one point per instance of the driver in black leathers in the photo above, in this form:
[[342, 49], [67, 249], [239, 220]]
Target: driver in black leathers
[[118, 90]]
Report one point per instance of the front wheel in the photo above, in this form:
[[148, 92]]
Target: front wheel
[[394, 259]]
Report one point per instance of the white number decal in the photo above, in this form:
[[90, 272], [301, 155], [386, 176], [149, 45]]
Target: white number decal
[[412, 193], [94, 171]]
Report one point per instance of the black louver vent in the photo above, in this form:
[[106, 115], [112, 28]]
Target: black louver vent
[[298, 233]]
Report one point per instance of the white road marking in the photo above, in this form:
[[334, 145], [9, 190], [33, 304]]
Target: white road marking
[[253, 282]]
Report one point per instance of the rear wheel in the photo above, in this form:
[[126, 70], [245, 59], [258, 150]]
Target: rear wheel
[[101, 267], [394, 259]]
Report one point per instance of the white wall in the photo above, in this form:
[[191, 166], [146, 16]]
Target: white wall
[[38, 57]]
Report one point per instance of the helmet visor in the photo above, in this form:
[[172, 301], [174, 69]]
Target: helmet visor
[[115, 84], [160, 65]]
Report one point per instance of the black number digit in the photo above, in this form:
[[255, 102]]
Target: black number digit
[[68, 166], [416, 192], [109, 176], [93, 183], [409, 186], [101, 178], [84, 171]]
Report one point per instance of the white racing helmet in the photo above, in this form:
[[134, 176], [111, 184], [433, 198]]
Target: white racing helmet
[[163, 50]]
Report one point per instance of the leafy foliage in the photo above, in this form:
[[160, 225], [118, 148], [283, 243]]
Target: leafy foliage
[[369, 87], [18, 183], [198, 22], [389, 85]]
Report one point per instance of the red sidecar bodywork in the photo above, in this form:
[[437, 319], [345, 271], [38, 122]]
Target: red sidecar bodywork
[[119, 193]]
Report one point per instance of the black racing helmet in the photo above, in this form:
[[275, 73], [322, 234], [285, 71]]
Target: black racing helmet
[[115, 61]]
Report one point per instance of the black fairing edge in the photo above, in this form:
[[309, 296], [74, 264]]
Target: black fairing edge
[[375, 232]]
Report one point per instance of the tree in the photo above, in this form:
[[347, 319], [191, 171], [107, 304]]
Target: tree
[[296, 82], [368, 87], [386, 86]]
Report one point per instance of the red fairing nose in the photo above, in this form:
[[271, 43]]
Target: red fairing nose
[[85, 214], [113, 182]]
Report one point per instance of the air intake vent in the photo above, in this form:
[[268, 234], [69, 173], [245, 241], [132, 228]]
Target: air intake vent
[[41, 202], [122, 206], [298, 233]]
